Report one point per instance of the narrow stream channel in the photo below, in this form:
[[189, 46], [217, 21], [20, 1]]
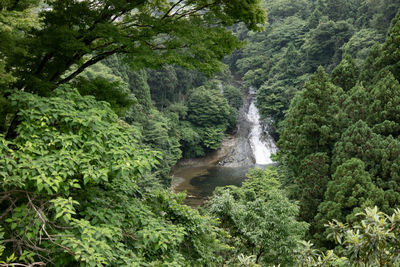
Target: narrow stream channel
[[252, 146]]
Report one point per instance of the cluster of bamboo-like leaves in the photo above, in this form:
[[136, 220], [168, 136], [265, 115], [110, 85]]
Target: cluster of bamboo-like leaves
[[374, 241]]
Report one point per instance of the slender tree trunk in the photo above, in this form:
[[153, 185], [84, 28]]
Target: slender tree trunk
[[260, 252], [11, 132]]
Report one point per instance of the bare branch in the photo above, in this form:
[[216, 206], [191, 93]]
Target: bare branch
[[88, 63], [172, 7], [21, 242], [25, 265], [9, 209], [49, 237], [5, 196], [195, 10]]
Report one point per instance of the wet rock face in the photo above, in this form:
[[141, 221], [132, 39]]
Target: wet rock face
[[240, 153], [253, 143]]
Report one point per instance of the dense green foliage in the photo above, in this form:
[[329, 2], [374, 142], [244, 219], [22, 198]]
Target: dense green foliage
[[84, 172], [372, 242], [302, 35], [350, 190], [76, 187], [209, 112], [260, 218], [74, 35], [339, 145], [310, 130], [327, 79], [55, 42], [99, 99]]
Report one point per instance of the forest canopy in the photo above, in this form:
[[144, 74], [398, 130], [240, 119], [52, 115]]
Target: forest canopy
[[99, 99], [63, 38], [81, 185]]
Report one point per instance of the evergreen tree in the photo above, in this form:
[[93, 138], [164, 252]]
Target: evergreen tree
[[287, 8], [337, 9], [311, 125], [346, 73], [162, 85], [391, 49], [360, 44], [350, 191], [140, 88], [359, 141], [389, 177], [322, 44], [356, 104], [310, 185], [313, 20], [290, 62], [380, 156], [273, 100], [137, 83], [384, 108], [370, 68]]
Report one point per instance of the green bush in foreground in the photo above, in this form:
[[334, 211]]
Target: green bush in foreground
[[260, 219], [374, 241], [76, 188]]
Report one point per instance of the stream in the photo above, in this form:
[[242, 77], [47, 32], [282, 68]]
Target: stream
[[250, 147]]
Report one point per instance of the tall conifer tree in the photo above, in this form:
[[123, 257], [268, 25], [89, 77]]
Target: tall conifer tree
[[346, 73], [384, 108], [312, 122], [350, 191]]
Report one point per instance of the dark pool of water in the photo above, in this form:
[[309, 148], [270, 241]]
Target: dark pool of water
[[218, 176], [200, 182]]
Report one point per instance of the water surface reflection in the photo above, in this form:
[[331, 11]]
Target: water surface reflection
[[200, 182]]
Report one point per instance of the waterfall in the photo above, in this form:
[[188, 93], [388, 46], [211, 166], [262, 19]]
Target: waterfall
[[250, 145], [253, 144], [261, 143]]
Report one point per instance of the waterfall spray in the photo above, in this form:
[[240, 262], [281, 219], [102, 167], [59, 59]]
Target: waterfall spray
[[261, 143], [253, 144]]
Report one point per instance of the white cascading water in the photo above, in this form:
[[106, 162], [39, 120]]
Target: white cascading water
[[252, 143], [261, 143]]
